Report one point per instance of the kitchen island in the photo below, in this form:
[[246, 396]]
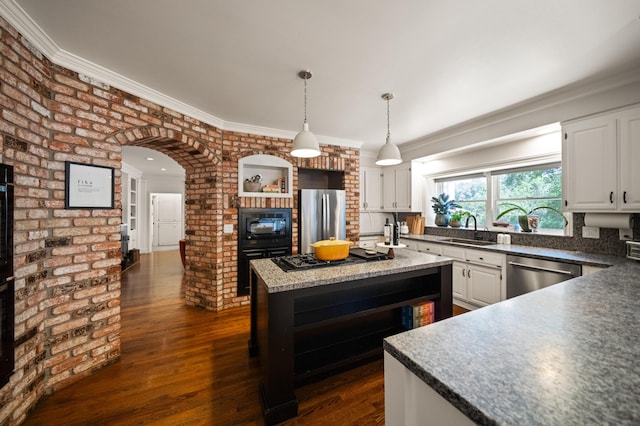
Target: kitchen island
[[305, 324], [566, 354]]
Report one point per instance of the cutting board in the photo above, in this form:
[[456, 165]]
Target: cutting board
[[361, 253]]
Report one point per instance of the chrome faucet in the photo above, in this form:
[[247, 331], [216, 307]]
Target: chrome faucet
[[475, 226]]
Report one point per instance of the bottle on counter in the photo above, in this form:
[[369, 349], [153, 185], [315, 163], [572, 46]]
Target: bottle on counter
[[387, 232], [396, 233]]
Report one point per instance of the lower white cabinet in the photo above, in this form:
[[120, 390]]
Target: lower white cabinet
[[369, 242], [477, 276], [409, 401]]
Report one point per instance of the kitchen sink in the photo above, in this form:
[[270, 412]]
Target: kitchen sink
[[471, 242]]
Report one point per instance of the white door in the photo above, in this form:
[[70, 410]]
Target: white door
[[167, 221]]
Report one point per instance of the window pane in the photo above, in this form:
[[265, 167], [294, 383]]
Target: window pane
[[530, 190], [470, 193]]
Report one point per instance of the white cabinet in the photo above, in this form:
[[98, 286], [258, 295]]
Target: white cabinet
[[408, 400], [396, 188], [429, 248], [477, 276], [411, 244], [422, 246], [629, 169], [371, 189], [369, 242], [599, 161]]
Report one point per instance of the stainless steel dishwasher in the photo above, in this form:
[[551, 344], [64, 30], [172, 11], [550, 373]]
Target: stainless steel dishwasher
[[525, 274]]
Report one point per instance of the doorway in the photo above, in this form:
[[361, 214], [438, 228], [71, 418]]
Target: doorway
[[166, 221]]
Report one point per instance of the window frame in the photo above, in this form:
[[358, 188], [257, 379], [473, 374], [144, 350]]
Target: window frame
[[492, 182]]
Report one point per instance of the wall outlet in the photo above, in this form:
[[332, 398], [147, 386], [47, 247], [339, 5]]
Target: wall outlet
[[590, 232], [228, 228]]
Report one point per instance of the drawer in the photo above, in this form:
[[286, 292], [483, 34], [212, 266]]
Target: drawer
[[411, 244], [430, 248], [485, 257], [368, 244], [453, 252]]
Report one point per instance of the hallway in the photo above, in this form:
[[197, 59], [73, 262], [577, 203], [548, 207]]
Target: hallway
[[187, 366]]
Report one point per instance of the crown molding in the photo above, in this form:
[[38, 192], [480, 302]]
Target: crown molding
[[101, 76], [541, 105]]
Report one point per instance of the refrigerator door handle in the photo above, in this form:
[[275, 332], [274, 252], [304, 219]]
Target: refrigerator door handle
[[325, 216]]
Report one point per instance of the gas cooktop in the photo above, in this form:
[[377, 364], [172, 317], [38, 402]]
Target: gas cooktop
[[303, 262]]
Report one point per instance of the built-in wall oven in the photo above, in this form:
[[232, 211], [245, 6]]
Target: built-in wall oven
[[7, 296], [262, 233]]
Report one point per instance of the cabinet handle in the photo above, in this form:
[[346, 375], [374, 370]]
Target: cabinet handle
[[469, 273], [611, 197], [463, 272], [566, 203], [624, 197]]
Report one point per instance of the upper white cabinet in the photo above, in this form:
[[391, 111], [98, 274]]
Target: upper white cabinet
[[371, 188], [274, 171], [396, 188], [598, 158]]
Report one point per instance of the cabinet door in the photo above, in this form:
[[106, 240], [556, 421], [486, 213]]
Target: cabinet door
[[388, 189], [483, 284], [372, 192], [629, 190], [459, 280], [403, 188], [589, 153]]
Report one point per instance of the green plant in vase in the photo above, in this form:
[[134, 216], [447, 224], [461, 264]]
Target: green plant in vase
[[528, 221], [456, 217], [442, 207]]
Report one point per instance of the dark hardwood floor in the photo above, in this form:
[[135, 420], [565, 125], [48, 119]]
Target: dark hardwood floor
[[187, 366]]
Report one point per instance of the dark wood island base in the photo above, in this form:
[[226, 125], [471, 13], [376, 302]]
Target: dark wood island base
[[301, 334]]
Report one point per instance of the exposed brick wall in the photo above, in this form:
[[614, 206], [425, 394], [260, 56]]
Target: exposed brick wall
[[67, 262], [239, 145]]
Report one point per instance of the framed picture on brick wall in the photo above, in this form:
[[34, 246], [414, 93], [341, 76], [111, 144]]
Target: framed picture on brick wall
[[88, 186]]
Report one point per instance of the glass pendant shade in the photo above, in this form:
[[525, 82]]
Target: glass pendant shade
[[305, 144], [389, 155]]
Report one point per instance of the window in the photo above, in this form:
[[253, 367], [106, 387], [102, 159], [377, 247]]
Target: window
[[470, 192], [484, 195], [529, 189]]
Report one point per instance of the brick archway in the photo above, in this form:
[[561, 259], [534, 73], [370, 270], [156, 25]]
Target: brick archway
[[203, 221]]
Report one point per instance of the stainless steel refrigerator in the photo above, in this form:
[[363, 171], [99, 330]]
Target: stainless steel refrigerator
[[322, 215]]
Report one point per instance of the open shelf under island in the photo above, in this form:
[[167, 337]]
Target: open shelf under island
[[305, 324]]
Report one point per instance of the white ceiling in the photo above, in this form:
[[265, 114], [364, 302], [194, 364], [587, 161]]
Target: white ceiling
[[236, 62]]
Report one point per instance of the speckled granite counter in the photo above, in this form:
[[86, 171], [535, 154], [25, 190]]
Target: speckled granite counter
[[564, 355], [530, 251], [405, 260]]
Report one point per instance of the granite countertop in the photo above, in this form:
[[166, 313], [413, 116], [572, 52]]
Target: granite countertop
[[577, 257], [566, 354], [277, 280]]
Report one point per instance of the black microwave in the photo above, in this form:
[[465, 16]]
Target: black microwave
[[261, 225]]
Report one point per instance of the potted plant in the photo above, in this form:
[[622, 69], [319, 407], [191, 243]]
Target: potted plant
[[456, 218], [442, 207], [527, 220]]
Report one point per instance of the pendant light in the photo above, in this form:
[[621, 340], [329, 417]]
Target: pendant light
[[305, 144], [389, 154]]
